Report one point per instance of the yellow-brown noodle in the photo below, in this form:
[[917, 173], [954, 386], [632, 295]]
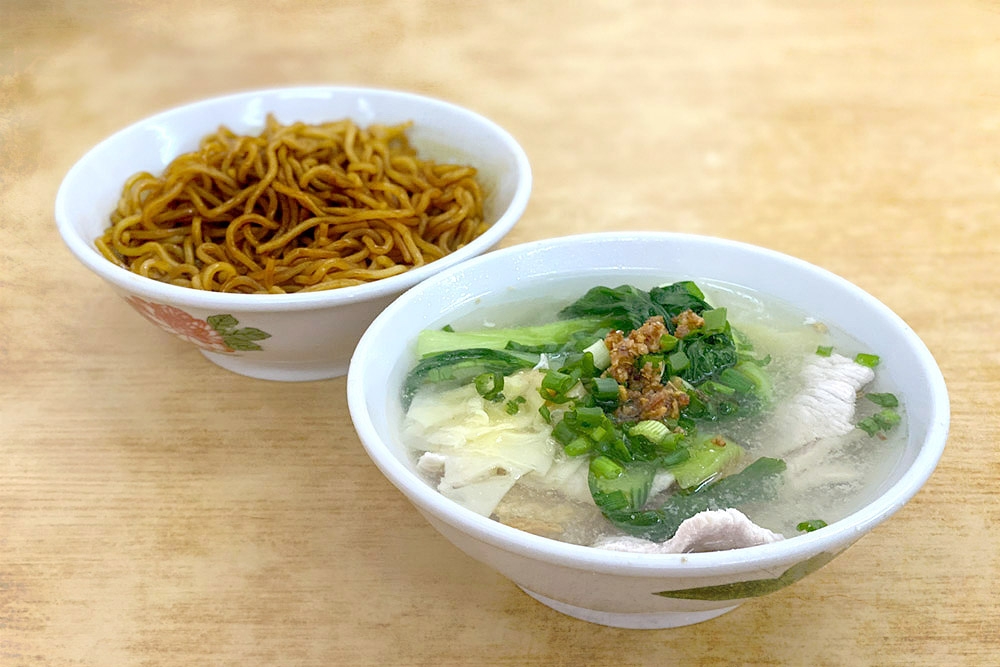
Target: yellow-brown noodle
[[297, 208]]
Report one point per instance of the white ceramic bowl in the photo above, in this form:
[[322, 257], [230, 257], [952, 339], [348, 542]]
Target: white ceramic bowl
[[614, 588], [310, 335]]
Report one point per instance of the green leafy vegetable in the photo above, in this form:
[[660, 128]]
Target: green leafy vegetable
[[460, 366], [708, 354], [755, 483], [715, 320], [700, 354], [706, 459], [743, 389], [620, 488], [572, 334], [627, 307]]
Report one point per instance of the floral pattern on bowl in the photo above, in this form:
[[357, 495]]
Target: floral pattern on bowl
[[217, 333]]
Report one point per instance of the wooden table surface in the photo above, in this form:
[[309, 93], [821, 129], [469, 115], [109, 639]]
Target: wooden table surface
[[156, 509]]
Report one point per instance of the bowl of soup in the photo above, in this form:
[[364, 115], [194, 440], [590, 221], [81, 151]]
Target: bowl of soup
[[268, 228], [646, 430]]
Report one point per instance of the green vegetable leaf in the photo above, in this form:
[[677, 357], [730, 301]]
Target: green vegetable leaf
[[461, 366], [757, 482], [705, 460], [742, 389], [566, 335], [715, 320], [625, 491], [627, 307], [707, 355]]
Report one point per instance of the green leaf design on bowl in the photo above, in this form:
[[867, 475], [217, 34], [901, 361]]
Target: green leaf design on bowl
[[243, 339], [754, 588]]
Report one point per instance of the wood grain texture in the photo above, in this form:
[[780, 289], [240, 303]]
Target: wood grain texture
[[157, 510]]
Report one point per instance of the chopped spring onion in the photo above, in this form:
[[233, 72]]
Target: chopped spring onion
[[605, 468], [736, 380], [514, 405], [883, 420], [490, 385], [824, 350], [578, 446], [602, 358], [713, 387], [811, 525], [654, 431], [887, 418], [869, 360], [604, 389], [668, 342], [564, 433], [556, 385], [885, 400]]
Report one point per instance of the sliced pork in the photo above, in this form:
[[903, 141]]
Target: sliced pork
[[711, 530]]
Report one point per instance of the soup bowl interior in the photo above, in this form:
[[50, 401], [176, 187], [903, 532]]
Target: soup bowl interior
[[629, 589], [300, 336]]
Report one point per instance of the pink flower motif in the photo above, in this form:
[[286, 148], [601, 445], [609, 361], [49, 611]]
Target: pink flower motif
[[181, 324]]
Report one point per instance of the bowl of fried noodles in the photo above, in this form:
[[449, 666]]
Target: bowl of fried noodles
[[268, 228]]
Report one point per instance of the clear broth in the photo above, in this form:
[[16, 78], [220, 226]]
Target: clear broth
[[788, 335]]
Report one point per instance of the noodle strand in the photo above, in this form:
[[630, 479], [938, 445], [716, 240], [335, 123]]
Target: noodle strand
[[297, 208]]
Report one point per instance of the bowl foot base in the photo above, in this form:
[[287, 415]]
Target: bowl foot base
[[637, 621], [281, 372]]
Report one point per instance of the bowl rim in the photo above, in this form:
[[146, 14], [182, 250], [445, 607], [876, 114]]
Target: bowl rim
[[833, 538], [153, 289]]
